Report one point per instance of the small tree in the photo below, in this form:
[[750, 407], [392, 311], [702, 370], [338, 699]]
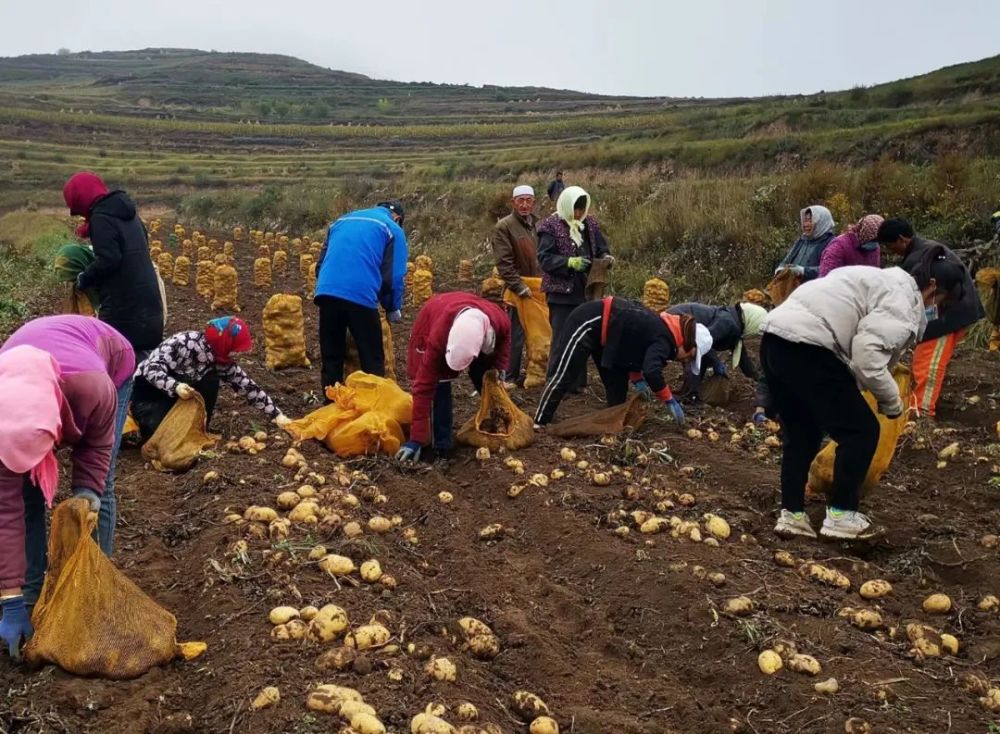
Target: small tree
[[64, 51]]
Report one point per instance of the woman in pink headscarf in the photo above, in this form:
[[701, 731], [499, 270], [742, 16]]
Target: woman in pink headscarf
[[59, 378], [857, 246], [453, 332]]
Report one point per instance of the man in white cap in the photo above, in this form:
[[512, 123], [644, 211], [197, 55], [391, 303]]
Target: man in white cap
[[515, 244]]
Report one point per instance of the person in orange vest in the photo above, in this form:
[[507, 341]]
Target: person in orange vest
[[629, 344]]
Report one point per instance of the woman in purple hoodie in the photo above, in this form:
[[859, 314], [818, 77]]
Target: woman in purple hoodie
[[857, 246]]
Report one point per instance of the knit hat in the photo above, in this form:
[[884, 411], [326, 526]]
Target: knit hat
[[226, 336], [471, 334], [395, 206]]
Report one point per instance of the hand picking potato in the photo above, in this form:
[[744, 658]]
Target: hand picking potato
[[875, 589], [337, 565], [528, 706], [281, 615], [544, 725], [367, 636], [267, 698], [441, 669]]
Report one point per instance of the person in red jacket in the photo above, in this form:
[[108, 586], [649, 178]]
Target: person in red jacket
[[453, 332], [59, 378]]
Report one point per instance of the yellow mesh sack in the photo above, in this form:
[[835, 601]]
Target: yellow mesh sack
[[262, 272], [180, 438], [204, 253], [423, 262], [155, 244], [284, 332], [237, 233], [279, 261], [77, 302], [782, 286], [498, 423], [492, 287], [154, 254], [182, 271], [821, 470], [423, 286], [204, 278], [283, 242], [264, 251], [165, 263], [656, 295], [297, 246], [465, 272], [187, 248], [91, 619], [310, 284], [305, 264], [224, 287], [533, 314], [369, 433], [988, 281], [269, 237], [229, 249], [408, 281], [179, 231], [315, 249]]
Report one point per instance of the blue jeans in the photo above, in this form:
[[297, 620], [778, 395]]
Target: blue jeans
[[109, 504], [442, 417]]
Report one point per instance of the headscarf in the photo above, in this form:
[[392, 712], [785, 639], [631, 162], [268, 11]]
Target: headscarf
[[564, 208], [753, 325], [822, 220], [81, 192], [867, 230], [31, 404], [228, 335], [471, 334], [70, 261], [704, 342]]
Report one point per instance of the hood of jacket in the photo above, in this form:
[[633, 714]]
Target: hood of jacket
[[117, 205]]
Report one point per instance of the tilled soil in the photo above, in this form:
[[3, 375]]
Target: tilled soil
[[617, 633]]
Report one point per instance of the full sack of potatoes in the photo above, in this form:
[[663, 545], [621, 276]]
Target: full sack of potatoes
[[498, 422], [284, 332]]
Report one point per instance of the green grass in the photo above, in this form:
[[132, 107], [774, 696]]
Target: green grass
[[28, 242]]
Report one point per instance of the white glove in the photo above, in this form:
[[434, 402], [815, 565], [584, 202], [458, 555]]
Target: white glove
[[185, 391]]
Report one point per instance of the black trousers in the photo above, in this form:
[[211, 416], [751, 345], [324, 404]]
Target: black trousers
[[579, 341], [336, 318], [516, 346], [559, 314], [150, 405], [814, 393]]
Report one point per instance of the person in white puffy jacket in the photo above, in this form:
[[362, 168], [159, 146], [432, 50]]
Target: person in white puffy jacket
[[831, 336]]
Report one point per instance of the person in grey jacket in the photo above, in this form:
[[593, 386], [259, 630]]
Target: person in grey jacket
[[832, 335], [804, 256]]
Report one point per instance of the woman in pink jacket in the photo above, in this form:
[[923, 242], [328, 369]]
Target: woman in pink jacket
[[857, 246], [59, 378]]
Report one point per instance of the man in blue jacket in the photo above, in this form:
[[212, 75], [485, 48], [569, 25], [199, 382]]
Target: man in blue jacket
[[361, 267]]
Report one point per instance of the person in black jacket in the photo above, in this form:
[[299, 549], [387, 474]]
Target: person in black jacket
[[125, 281], [628, 343], [945, 331]]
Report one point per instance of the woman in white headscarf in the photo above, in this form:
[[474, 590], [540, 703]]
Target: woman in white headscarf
[[804, 257], [569, 241]]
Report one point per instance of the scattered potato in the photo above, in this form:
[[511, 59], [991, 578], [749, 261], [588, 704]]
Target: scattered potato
[[557, 474], [428, 724], [567, 454], [267, 698], [515, 490], [445, 498], [989, 541], [371, 571], [308, 613], [339, 658], [687, 499], [875, 589], [739, 606], [937, 604], [482, 453], [471, 626], [807, 664], [328, 624], [544, 725], [279, 529], [717, 527], [327, 698], [441, 669], [772, 442], [989, 603], [280, 632], [601, 479], [713, 436], [387, 581], [949, 643], [827, 687], [828, 576], [255, 513], [288, 500], [694, 433], [297, 629], [528, 706], [991, 701], [246, 443], [621, 531], [281, 615], [336, 565], [654, 525], [211, 476], [926, 640], [367, 636], [769, 662], [353, 530], [305, 511], [582, 465], [380, 525], [854, 725], [466, 711], [317, 553], [949, 452], [717, 579], [490, 531], [484, 647], [539, 480], [784, 559], [365, 723], [349, 708]]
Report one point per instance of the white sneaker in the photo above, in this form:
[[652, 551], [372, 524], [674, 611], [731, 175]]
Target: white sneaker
[[848, 525], [791, 524]]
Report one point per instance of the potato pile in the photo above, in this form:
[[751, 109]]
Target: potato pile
[[225, 289], [182, 271], [656, 295]]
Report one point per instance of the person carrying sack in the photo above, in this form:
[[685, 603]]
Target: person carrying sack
[[197, 361], [629, 344], [453, 332]]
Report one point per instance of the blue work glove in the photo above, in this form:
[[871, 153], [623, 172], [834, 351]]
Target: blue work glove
[[642, 388], [578, 264], [394, 317], [409, 453], [91, 497], [675, 410], [759, 417], [720, 369], [15, 627]]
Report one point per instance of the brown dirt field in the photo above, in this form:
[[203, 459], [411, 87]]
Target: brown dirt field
[[616, 634]]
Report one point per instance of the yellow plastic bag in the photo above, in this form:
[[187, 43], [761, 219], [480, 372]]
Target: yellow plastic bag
[[498, 423], [319, 423], [782, 286], [178, 440], [91, 619], [284, 332], [366, 393], [369, 433], [533, 314], [821, 470], [656, 295]]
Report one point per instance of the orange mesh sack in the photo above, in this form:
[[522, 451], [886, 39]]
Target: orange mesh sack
[[498, 423], [180, 438], [782, 286], [533, 313], [284, 332], [821, 471], [91, 619], [369, 433], [656, 295], [628, 415]]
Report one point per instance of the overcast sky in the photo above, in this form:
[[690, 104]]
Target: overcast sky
[[645, 47]]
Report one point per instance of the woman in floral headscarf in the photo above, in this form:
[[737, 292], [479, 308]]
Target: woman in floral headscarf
[[196, 362], [59, 378], [857, 246]]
